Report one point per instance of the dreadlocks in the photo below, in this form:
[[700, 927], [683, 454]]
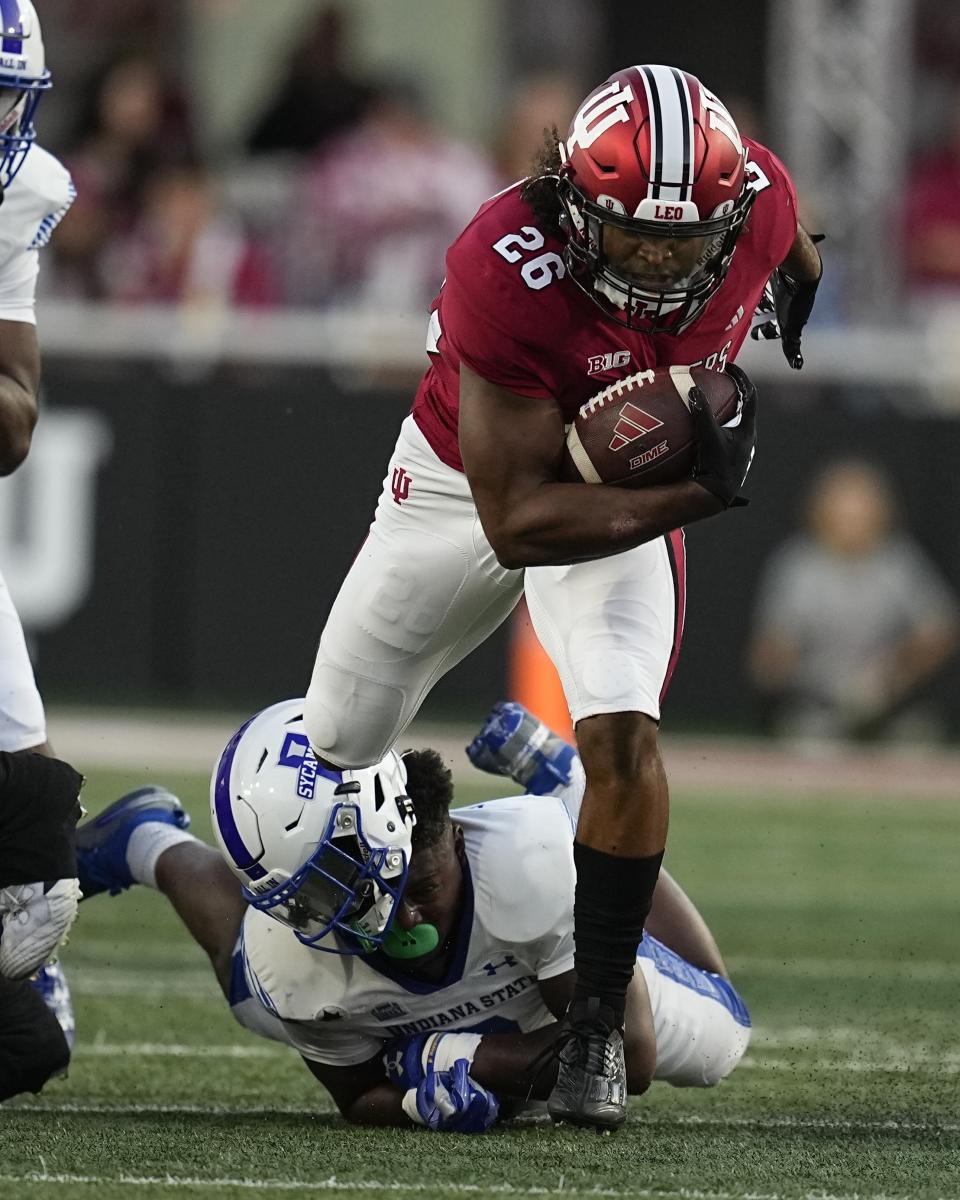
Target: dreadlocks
[[539, 190]]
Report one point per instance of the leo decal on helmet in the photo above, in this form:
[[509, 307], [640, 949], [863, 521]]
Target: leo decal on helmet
[[654, 153], [23, 80], [324, 852]]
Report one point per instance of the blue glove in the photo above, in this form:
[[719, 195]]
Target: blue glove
[[402, 1061], [451, 1102], [408, 1061]]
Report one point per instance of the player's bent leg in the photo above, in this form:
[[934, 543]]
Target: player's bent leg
[[612, 629], [701, 1022], [23, 723], [208, 899], [424, 590], [39, 808], [33, 1048]]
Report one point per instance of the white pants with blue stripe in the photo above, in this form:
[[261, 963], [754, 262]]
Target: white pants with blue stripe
[[701, 1023]]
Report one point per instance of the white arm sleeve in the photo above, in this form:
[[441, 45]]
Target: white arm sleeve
[[18, 286]]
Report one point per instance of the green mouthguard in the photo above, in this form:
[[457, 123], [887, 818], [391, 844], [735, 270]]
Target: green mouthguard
[[412, 943]]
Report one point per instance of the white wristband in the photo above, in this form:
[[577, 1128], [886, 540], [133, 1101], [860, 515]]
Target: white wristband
[[442, 1050], [409, 1106]]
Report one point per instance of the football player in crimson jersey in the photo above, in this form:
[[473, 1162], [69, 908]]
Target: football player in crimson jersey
[[644, 238]]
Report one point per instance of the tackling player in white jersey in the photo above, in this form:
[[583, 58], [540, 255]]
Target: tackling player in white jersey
[[419, 961], [38, 795]]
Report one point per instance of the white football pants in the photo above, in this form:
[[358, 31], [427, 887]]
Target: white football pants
[[22, 721], [426, 589]]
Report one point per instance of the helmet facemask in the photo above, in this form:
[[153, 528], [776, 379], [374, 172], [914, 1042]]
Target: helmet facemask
[[346, 886], [671, 309], [23, 80]]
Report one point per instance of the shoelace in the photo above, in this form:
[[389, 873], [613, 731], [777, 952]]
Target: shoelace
[[594, 1054], [12, 904]]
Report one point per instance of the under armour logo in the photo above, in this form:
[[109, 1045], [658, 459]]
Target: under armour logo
[[400, 485], [393, 1064], [507, 961]]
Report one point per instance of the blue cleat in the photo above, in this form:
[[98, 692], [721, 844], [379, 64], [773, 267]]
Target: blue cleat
[[102, 841], [51, 983], [513, 742]]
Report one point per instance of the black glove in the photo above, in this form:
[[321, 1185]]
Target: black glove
[[792, 302], [724, 455]]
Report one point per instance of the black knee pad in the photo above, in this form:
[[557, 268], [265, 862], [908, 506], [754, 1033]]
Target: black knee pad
[[39, 810], [32, 1045]]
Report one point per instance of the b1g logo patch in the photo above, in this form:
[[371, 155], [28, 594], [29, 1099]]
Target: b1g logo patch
[[632, 424], [597, 364]]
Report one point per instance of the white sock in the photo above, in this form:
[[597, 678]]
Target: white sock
[[147, 842]]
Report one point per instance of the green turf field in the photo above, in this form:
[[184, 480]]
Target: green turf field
[[838, 918]]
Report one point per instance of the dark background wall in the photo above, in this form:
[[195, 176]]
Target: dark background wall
[[231, 507], [722, 44]]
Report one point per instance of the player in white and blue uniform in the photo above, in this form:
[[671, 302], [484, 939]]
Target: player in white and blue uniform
[[448, 1006], [38, 888]]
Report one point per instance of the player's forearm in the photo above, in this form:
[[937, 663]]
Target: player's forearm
[[561, 523], [803, 262], [506, 1063], [380, 1106]]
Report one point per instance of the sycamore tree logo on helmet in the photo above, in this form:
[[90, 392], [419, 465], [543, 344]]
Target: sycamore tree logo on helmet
[[606, 108]]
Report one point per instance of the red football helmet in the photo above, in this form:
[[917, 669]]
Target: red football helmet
[[652, 152]]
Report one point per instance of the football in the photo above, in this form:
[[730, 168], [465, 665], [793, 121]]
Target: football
[[639, 431]]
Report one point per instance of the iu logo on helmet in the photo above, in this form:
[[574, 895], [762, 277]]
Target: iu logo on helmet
[[400, 485], [607, 107]]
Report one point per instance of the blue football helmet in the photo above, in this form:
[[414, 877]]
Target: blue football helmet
[[325, 852], [23, 80]]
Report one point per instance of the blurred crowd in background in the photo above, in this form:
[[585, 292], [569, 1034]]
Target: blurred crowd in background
[[346, 187]]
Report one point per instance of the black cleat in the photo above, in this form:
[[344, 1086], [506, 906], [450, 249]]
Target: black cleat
[[591, 1087]]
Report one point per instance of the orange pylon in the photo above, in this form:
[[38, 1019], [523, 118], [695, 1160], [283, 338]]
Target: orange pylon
[[533, 678]]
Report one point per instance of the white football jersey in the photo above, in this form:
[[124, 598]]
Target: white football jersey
[[33, 205], [516, 929]]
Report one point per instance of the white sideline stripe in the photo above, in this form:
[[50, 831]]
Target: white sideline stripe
[[856, 1066], [844, 968], [665, 1122], [173, 1050], [434, 1188], [92, 980], [893, 1057], [800, 1037]]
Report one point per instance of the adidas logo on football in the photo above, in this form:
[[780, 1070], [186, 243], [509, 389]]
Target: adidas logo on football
[[633, 423]]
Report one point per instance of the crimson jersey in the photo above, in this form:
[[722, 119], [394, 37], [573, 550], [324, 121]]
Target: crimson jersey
[[508, 311]]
